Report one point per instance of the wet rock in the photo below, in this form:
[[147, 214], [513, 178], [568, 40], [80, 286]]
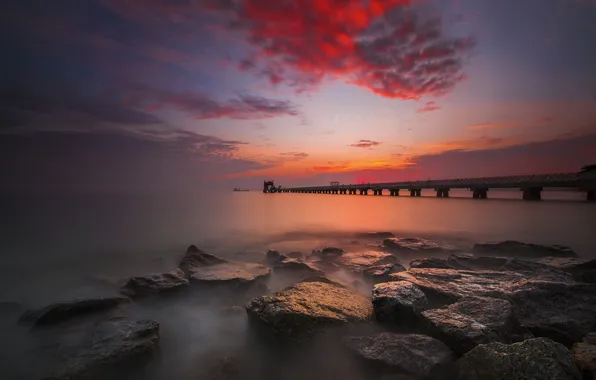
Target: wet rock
[[328, 253], [326, 266], [295, 269], [141, 286], [415, 245], [472, 321], [583, 270], [430, 262], [358, 262], [63, 311], [413, 354], [562, 312], [533, 359], [302, 310], [584, 354], [109, 344], [207, 269], [398, 302], [380, 273], [322, 279], [296, 255], [375, 235], [512, 248]]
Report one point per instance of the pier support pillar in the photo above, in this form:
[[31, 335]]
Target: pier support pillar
[[415, 192], [532, 193], [442, 193], [479, 193], [394, 192], [591, 196], [378, 191]]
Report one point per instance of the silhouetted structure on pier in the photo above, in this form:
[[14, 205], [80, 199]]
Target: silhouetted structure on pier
[[530, 185]]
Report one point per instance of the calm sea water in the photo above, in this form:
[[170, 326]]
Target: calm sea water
[[57, 247]]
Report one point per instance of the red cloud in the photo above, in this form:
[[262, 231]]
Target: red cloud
[[365, 144], [381, 45], [429, 107]]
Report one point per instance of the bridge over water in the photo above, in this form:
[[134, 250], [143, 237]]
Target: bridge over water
[[531, 186]]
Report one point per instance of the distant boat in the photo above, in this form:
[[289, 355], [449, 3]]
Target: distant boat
[[237, 189]]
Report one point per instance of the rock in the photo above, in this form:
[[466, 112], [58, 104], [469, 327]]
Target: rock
[[430, 262], [328, 253], [295, 269], [533, 359], [107, 345], [358, 262], [414, 245], [322, 279], [63, 311], [380, 273], [583, 270], [326, 266], [398, 302], [305, 309], [273, 257], [296, 255], [207, 269], [512, 248], [154, 283], [412, 354], [562, 312], [584, 354], [375, 235], [472, 321]]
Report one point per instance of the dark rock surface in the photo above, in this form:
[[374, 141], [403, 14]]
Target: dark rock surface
[[204, 268], [63, 311], [398, 302], [584, 354], [295, 269], [380, 273], [415, 245], [412, 354], [107, 345], [583, 270], [372, 264], [472, 321], [430, 262], [328, 253], [154, 283], [273, 257], [296, 255], [533, 359], [302, 310], [512, 248]]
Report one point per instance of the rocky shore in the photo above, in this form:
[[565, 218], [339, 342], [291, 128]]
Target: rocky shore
[[499, 311]]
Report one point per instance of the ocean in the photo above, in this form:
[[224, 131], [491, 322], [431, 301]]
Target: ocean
[[58, 247]]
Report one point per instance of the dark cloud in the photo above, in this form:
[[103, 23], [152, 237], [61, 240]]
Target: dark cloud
[[381, 45], [365, 144]]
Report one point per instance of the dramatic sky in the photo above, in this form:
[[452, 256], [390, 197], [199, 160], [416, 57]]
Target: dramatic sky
[[130, 95]]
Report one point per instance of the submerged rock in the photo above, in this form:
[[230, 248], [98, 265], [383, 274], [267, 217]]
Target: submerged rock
[[533, 359], [109, 344], [63, 311], [154, 283], [412, 354], [398, 302], [430, 262], [583, 270], [204, 268], [415, 245], [295, 269], [304, 309], [472, 321], [512, 248], [584, 354]]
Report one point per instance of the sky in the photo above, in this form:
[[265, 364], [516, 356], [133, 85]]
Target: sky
[[171, 95]]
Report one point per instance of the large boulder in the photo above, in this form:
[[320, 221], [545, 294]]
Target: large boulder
[[512, 248], [380, 273], [562, 312], [472, 321], [104, 347], [398, 302], [533, 359], [295, 269], [583, 270], [412, 354], [415, 245], [328, 253], [207, 269], [584, 354], [141, 286], [302, 310], [63, 311], [430, 262], [372, 264]]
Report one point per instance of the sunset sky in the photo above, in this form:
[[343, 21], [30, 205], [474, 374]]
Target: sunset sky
[[129, 95]]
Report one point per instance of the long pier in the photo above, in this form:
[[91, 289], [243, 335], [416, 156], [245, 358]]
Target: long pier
[[531, 186]]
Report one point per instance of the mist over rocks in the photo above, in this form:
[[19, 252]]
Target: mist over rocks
[[513, 248], [411, 245]]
